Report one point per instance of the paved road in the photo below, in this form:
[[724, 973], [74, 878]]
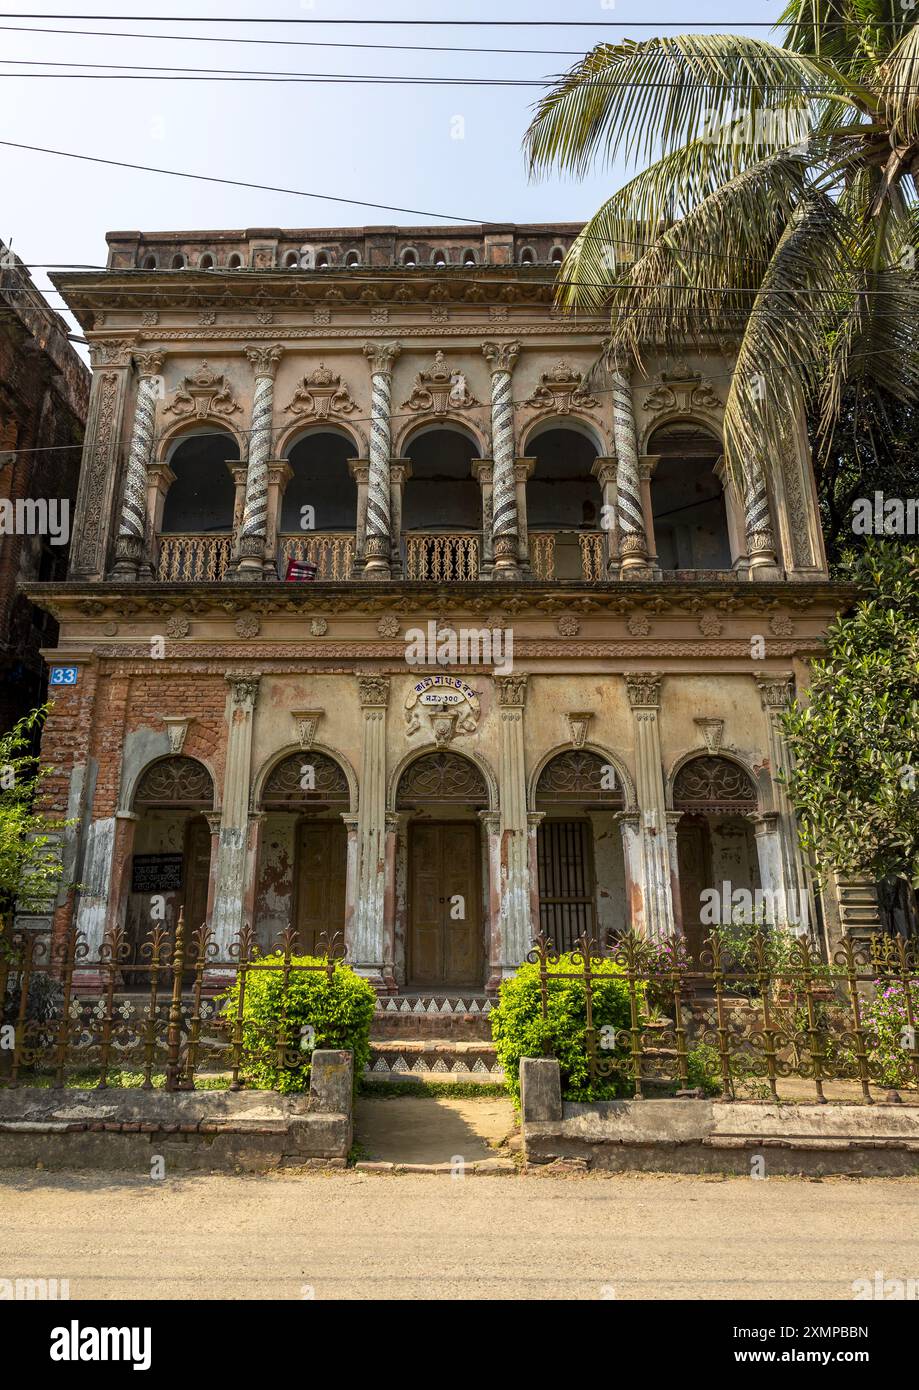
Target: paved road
[[353, 1235]]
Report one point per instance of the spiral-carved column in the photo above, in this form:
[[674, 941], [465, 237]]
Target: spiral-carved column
[[505, 526], [633, 543], [378, 543], [255, 515], [130, 548], [758, 525]]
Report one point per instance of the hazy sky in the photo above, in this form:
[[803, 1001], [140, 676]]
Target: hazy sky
[[392, 145]]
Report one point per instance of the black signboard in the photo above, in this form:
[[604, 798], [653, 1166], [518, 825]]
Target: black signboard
[[156, 873]]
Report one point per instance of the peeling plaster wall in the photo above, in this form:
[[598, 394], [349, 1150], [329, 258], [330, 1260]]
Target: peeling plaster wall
[[274, 898]]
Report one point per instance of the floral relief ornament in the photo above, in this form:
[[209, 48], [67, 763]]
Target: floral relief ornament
[[248, 625], [319, 627], [568, 626], [710, 625], [177, 626], [388, 626]]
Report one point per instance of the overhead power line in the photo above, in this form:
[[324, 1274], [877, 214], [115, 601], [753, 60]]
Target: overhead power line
[[440, 23], [237, 183]]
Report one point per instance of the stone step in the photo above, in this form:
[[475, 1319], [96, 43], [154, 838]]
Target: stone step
[[434, 1059], [423, 1016]]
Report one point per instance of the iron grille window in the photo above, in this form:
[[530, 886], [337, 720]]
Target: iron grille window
[[566, 881]]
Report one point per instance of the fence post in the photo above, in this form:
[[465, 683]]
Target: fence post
[[174, 1030]]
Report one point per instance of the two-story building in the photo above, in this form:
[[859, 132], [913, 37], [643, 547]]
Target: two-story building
[[529, 668]]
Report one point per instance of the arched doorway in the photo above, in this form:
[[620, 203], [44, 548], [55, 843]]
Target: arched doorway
[[196, 527], [579, 858], [441, 507], [319, 509], [564, 502], [441, 795], [687, 499], [171, 856], [716, 844], [302, 880]]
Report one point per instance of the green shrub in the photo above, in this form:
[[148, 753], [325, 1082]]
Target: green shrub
[[886, 1022], [519, 1029], [339, 1011]]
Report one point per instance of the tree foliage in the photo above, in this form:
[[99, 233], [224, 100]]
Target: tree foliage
[[855, 740], [780, 206], [30, 865]]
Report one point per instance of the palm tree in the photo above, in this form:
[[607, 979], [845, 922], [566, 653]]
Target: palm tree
[[781, 206]]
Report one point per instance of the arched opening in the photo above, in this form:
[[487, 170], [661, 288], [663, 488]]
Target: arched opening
[[319, 508], [579, 856], [442, 873], [527, 256], [687, 499], [234, 261], [557, 256], [716, 844], [196, 527], [564, 504], [469, 258], [353, 260], [322, 260], [291, 260], [302, 874], [410, 257], [171, 852], [442, 507], [178, 261], [206, 261], [149, 262], [439, 259]]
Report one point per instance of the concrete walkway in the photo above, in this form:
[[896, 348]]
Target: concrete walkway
[[431, 1129]]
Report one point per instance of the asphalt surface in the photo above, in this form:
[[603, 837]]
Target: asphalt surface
[[365, 1236]]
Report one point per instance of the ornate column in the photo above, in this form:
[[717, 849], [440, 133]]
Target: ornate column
[[647, 463], [252, 538], [131, 560], [523, 470], [279, 475], [491, 831], [534, 821], [160, 478], [483, 471], [505, 522], [630, 829], [604, 470], [771, 869], [644, 691], [359, 470], [378, 543], [229, 898], [734, 513], [92, 522], [213, 819], [367, 946], [351, 885], [396, 822], [758, 525], [633, 544], [517, 929], [776, 695], [400, 470]]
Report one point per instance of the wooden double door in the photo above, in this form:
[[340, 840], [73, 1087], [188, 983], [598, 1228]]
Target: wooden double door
[[445, 947], [321, 868]]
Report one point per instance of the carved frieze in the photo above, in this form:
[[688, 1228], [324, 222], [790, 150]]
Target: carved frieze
[[439, 389], [204, 393], [321, 395]]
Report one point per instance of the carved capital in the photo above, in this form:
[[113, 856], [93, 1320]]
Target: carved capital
[[149, 363], [644, 689], [373, 691], [775, 692], [382, 355], [265, 358], [111, 352], [512, 690], [500, 356], [244, 686]]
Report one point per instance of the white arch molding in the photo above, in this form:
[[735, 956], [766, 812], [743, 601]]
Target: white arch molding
[[294, 434], [703, 420], [550, 419], [291, 749], [761, 787], [629, 797], [414, 429], [491, 782], [173, 437]]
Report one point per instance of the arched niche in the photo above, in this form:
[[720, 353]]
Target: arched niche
[[456, 770], [687, 498], [201, 497], [441, 493], [321, 480]]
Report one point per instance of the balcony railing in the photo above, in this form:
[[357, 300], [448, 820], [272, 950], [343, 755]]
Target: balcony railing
[[553, 558], [191, 557], [332, 553], [443, 558]]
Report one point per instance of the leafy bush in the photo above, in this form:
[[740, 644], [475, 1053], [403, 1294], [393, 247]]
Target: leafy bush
[[519, 1029], [339, 1012], [886, 1021]]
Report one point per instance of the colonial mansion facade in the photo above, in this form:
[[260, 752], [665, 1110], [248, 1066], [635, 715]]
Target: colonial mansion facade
[[387, 615]]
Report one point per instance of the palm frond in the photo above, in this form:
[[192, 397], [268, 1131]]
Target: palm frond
[[899, 90], [652, 97]]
